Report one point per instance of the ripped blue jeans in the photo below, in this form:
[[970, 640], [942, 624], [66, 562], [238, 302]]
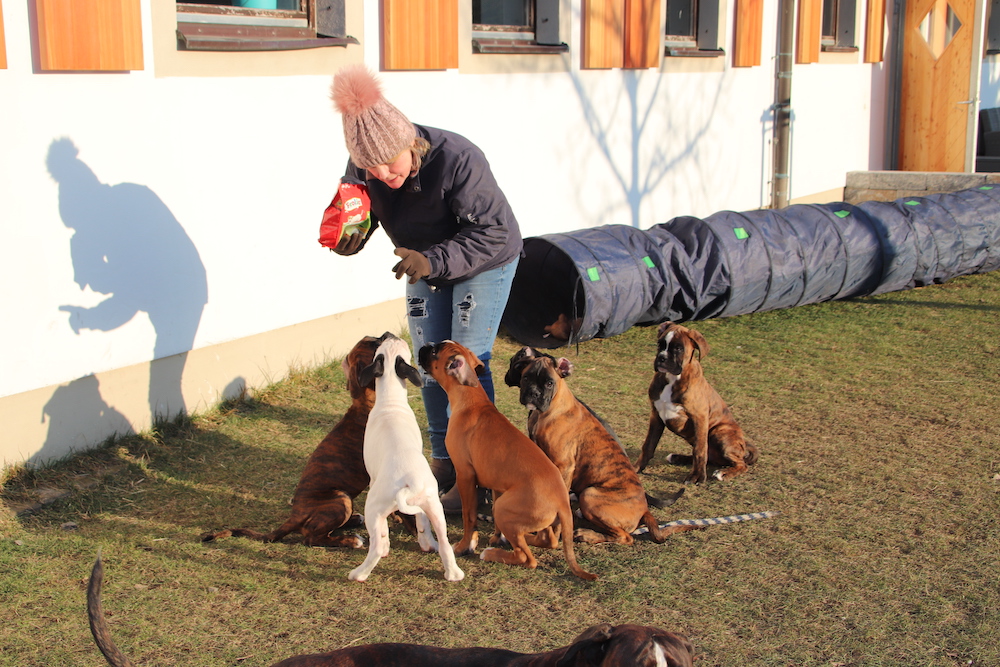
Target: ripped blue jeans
[[469, 313]]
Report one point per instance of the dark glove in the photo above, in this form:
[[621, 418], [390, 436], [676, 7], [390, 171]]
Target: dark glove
[[413, 264], [350, 244]]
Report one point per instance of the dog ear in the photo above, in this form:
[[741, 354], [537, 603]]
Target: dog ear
[[372, 371], [663, 327], [564, 366], [587, 648], [700, 343], [408, 372], [479, 367], [517, 363], [458, 368]]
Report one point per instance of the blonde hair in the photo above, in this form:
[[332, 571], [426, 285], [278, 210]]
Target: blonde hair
[[420, 148]]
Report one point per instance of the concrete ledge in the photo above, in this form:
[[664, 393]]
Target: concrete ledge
[[892, 185]]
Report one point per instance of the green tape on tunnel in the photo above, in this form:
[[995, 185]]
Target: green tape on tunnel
[[741, 233], [593, 274]]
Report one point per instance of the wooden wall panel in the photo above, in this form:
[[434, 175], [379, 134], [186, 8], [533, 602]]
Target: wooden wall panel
[[604, 34], [419, 34], [92, 35], [809, 29], [748, 31], [875, 31], [642, 33], [3, 43]]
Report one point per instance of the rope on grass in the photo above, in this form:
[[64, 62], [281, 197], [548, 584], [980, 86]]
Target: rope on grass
[[715, 521]]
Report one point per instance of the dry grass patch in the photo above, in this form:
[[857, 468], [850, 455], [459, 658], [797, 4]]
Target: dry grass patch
[[880, 445]]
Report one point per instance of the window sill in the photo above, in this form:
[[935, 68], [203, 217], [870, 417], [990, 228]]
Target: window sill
[[225, 37], [516, 46], [684, 52], [830, 48]]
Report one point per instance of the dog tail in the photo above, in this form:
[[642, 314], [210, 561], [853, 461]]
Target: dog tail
[[667, 502], [98, 623], [660, 534], [408, 500], [566, 521]]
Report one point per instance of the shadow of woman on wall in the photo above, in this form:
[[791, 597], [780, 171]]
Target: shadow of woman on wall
[[128, 245]]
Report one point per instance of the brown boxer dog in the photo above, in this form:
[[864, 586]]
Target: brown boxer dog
[[684, 401], [599, 645], [593, 465], [489, 451], [334, 474]]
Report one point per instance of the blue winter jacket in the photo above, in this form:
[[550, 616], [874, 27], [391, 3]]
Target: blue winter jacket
[[451, 210]]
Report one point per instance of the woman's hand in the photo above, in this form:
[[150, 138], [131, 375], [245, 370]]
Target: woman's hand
[[412, 263], [350, 244]]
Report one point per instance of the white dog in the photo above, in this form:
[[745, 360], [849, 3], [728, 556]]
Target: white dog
[[401, 478]]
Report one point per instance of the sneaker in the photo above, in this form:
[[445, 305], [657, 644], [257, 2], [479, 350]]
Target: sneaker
[[444, 473]]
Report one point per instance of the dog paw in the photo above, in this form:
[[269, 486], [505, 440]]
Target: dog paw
[[719, 476], [454, 575], [354, 575], [359, 542]]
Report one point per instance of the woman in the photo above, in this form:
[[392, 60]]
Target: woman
[[455, 234]]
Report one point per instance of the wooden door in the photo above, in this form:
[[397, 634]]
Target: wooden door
[[937, 91]]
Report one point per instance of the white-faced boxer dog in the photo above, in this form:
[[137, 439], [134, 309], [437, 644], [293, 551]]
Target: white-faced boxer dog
[[334, 474], [489, 451], [599, 645], [592, 463], [401, 478], [684, 401]]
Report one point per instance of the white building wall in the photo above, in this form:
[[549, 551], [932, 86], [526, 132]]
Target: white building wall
[[244, 165]]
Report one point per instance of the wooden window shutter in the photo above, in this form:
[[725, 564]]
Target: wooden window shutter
[[748, 33], [3, 43], [101, 35], [419, 34], [642, 33], [875, 31], [810, 26], [603, 34]]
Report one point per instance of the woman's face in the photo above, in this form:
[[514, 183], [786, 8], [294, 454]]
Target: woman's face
[[396, 172]]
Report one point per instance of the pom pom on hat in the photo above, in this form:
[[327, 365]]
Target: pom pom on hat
[[375, 131]]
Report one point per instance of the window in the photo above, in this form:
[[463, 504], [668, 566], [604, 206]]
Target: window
[[837, 26], [261, 25], [993, 28], [516, 26], [692, 28], [825, 25]]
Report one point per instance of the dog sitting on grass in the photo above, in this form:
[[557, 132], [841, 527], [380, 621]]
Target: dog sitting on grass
[[335, 473]]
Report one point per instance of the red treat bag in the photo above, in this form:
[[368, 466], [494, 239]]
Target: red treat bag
[[349, 213]]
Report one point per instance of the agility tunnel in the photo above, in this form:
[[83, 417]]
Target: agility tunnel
[[599, 282]]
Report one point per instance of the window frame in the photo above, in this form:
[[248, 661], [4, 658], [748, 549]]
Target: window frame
[[541, 36], [841, 36], [706, 40], [315, 24]]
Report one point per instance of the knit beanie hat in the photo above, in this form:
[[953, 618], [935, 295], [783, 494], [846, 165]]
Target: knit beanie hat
[[375, 131]]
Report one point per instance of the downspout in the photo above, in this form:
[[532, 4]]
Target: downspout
[[783, 105]]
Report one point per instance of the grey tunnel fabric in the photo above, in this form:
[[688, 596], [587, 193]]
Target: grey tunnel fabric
[[601, 281]]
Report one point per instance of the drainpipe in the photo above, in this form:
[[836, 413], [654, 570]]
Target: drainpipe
[[783, 104]]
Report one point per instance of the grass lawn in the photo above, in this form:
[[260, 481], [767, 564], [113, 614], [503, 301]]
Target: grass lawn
[[877, 422]]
